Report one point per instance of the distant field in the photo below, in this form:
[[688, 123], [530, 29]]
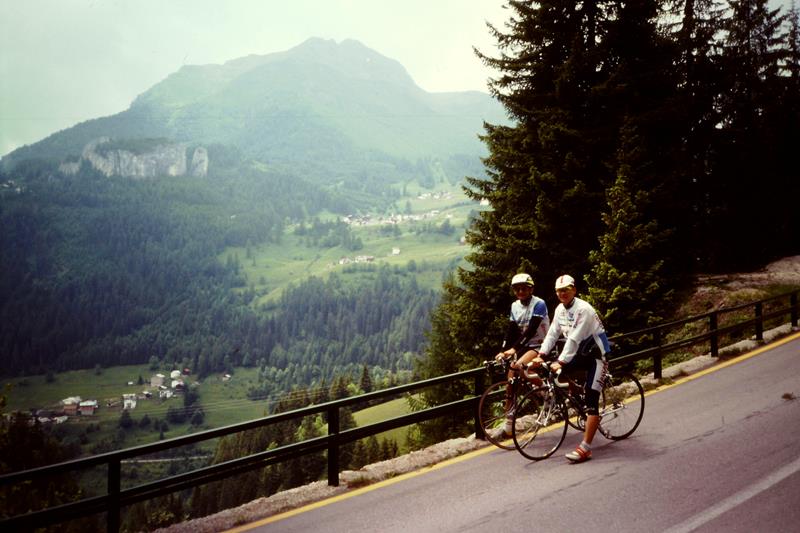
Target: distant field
[[270, 268], [224, 403], [385, 411]]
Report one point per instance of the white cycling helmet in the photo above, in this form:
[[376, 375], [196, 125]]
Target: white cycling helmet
[[521, 279], [562, 282]]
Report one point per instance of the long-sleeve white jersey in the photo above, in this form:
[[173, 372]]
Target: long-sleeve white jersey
[[580, 325]]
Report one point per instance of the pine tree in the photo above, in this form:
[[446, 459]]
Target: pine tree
[[628, 266], [629, 278], [365, 383], [547, 167], [786, 121], [372, 450], [308, 467], [571, 76], [550, 164], [696, 75], [751, 64]]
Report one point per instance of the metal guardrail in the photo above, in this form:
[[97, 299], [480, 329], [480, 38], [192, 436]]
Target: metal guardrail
[[713, 334], [116, 497]]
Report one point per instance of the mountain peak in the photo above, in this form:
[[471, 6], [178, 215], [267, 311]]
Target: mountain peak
[[353, 58], [319, 100]]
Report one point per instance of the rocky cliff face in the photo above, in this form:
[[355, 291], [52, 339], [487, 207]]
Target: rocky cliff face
[[199, 165], [162, 159]]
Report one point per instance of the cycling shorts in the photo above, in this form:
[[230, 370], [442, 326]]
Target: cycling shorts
[[593, 371]]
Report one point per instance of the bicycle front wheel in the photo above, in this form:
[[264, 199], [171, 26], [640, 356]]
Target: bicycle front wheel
[[539, 427], [623, 407], [493, 410]]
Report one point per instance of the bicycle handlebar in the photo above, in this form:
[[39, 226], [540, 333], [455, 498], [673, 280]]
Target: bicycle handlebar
[[504, 364], [554, 376]]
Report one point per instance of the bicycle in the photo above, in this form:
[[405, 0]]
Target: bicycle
[[497, 402], [542, 415]]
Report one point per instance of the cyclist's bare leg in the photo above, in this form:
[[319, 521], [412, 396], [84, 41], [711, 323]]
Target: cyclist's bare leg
[[530, 357], [527, 357], [592, 423]]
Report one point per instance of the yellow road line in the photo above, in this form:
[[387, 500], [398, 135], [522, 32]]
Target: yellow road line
[[490, 448], [362, 490]]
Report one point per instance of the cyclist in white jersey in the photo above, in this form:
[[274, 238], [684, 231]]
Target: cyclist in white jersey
[[527, 325], [585, 350]]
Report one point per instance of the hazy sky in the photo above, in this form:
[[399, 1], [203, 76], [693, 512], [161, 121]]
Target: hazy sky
[[66, 61]]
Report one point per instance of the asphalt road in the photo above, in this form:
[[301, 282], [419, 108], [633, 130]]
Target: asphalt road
[[718, 452]]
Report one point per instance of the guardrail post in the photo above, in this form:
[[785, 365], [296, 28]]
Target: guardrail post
[[712, 326], [793, 303], [657, 354], [333, 447], [112, 514], [476, 412], [759, 321]]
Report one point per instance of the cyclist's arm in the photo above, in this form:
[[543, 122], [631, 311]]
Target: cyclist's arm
[[507, 350], [512, 332], [528, 334], [553, 333]]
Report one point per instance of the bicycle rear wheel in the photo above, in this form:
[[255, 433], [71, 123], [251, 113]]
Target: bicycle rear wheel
[[492, 412], [623, 406], [539, 427]]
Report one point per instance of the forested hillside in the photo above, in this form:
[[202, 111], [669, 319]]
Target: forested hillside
[[111, 271]]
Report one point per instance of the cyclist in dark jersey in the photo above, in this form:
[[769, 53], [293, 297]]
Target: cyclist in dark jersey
[[527, 325]]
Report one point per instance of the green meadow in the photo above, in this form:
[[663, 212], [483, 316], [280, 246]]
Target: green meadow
[[385, 411], [223, 402], [270, 268]]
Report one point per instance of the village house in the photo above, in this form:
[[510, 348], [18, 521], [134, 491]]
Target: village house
[[129, 401], [157, 380], [71, 405], [87, 407]]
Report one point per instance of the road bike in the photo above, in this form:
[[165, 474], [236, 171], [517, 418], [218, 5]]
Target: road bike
[[497, 402], [542, 414]]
